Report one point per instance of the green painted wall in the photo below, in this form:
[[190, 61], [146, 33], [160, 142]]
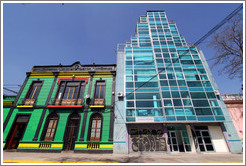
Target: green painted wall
[[5, 113]]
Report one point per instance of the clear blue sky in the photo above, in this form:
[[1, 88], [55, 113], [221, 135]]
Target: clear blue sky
[[49, 34]]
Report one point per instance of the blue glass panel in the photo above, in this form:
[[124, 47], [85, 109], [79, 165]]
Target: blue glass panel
[[145, 78], [204, 77], [179, 111], [129, 96], [205, 118], [206, 83], [180, 76], [217, 111], [198, 95], [130, 112], [177, 102], [149, 112], [163, 76], [190, 71], [219, 117], [146, 84], [166, 95], [174, 88], [167, 103], [191, 118], [147, 90], [129, 78], [144, 71], [129, 90], [148, 103], [164, 83], [211, 95], [185, 94], [200, 103], [129, 84], [175, 94], [129, 103], [128, 72], [183, 88], [192, 77], [172, 83], [201, 71], [128, 62], [130, 119], [187, 102], [128, 67], [181, 83], [159, 119], [195, 89], [143, 57], [147, 96], [144, 62], [165, 88], [181, 118], [169, 111], [171, 118], [208, 89], [214, 103], [189, 111], [144, 67], [194, 84], [203, 111]]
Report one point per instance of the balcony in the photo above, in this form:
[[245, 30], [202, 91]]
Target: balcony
[[65, 103], [24, 103], [98, 103]]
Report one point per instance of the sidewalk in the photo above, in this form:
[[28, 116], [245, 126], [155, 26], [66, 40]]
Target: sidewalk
[[71, 157]]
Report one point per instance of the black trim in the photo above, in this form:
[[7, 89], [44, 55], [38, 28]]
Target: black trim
[[90, 123], [82, 134], [16, 99], [111, 129], [51, 115], [44, 110], [92, 151]]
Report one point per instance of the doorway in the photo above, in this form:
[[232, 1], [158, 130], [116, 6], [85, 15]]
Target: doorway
[[71, 133], [17, 131]]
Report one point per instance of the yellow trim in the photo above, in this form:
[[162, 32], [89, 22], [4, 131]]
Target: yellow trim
[[56, 145], [41, 75], [3, 144], [25, 106], [106, 146], [81, 146], [40, 161], [97, 106], [100, 75], [28, 146], [7, 102], [76, 74]]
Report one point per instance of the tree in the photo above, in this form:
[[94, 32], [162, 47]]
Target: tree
[[228, 44]]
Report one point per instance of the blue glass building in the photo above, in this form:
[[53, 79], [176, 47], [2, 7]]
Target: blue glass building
[[167, 98]]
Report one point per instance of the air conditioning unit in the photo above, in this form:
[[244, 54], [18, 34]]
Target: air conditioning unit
[[217, 92], [120, 94]]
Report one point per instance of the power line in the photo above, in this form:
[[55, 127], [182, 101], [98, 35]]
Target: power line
[[219, 25], [10, 90]]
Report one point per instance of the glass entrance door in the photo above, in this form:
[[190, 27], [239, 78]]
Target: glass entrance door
[[204, 141], [172, 141]]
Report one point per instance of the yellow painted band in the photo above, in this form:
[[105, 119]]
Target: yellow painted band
[[97, 106], [106, 146], [81, 146], [74, 74], [7, 102], [24, 106], [103, 75], [37, 76], [56, 145], [3, 144], [28, 145], [40, 161]]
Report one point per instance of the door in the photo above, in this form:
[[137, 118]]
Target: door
[[172, 141], [16, 133], [71, 133], [204, 141]]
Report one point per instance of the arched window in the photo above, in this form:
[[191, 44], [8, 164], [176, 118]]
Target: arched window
[[95, 127], [50, 127]]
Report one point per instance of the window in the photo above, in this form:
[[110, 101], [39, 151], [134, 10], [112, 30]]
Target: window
[[50, 127], [70, 93], [33, 92], [95, 127], [99, 93]]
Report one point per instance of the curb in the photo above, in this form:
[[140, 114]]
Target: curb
[[40, 161]]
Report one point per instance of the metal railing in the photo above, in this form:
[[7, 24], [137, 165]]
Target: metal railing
[[24, 101]]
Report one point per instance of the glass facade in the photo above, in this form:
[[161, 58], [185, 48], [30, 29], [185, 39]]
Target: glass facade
[[165, 79]]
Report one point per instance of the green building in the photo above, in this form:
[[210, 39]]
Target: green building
[[62, 108]]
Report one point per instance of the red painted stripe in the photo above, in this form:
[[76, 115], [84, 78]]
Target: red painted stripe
[[66, 106], [72, 78]]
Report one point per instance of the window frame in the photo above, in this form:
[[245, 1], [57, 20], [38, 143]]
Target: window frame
[[30, 90], [90, 127], [94, 93], [80, 84], [46, 125]]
